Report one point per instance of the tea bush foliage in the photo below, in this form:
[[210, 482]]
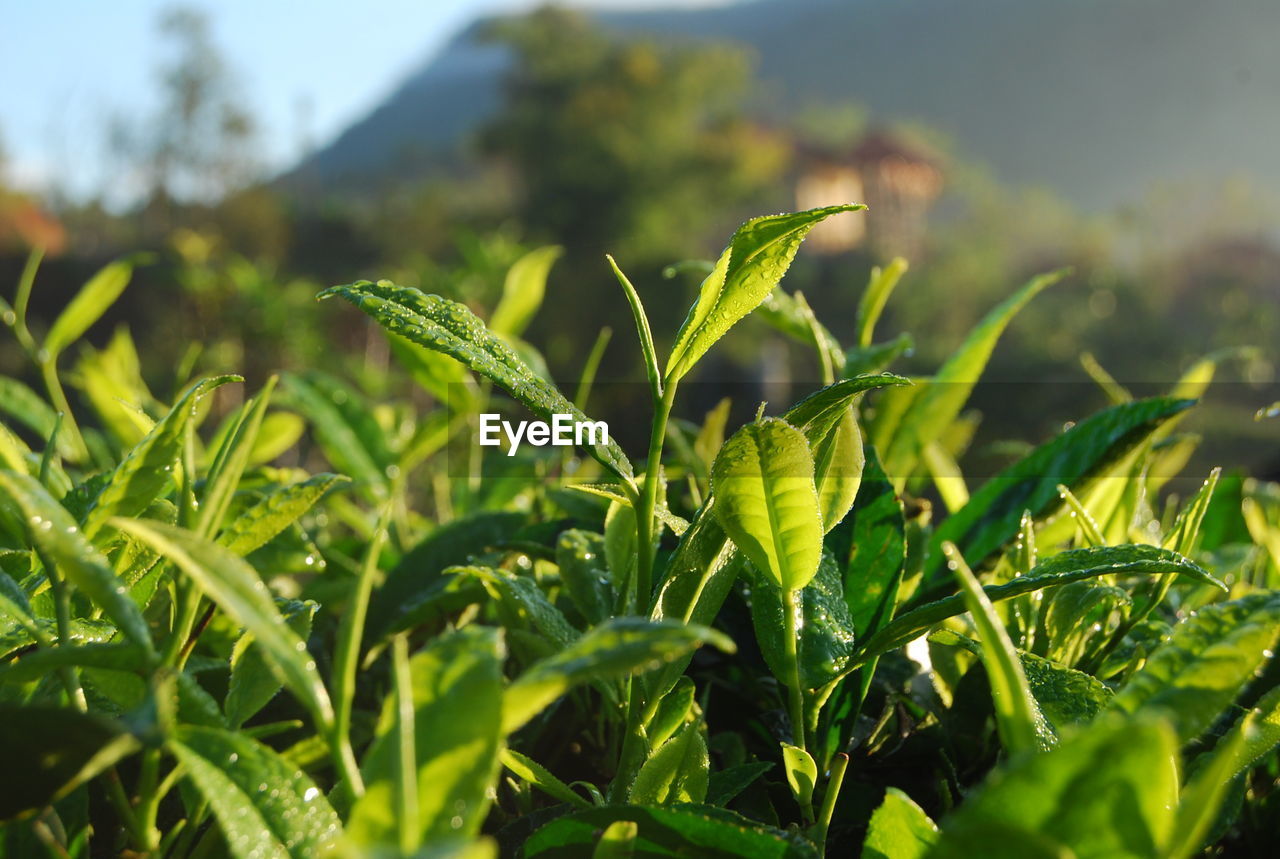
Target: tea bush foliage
[[315, 624]]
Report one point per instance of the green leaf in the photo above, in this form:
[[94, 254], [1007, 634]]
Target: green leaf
[[54, 749], [147, 470], [878, 549], [264, 805], [642, 331], [30, 410], [875, 296], [1063, 568], [1195, 675], [580, 556], [616, 648], [523, 596], [757, 257], [1066, 697], [1202, 799], [345, 428], [253, 681], [767, 502], [55, 534], [941, 398], [1070, 612], [1185, 533], [1018, 716], [87, 307], [448, 327], [279, 508], [724, 785], [37, 663], [230, 460], [618, 841], [877, 357], [683, 831], [540, 777], [802, 773], [522, 291], [826, 640], [1105, 792], [457, 717], [418, 574], [1087, 450], [1259, 733], [236, 588], [837, 469], [899, 829], [677, 770], [794, 318]]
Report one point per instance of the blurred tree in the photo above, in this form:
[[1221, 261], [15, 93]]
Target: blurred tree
[[199, 146], [626, 146]]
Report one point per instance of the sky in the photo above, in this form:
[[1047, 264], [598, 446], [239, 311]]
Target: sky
[[305, 69]]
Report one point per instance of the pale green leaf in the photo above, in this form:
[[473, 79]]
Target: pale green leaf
[[456, 686], [523, 290], [757, 257], [899, 829], [87, 307], [767, 502]]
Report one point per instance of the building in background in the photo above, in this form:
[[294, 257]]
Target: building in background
[[898, 182]]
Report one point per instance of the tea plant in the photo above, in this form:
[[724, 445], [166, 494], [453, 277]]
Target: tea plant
[[759, 645]]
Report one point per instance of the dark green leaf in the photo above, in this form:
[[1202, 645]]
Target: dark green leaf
[[53, 750], [418, 574], [1105, 792], [826, 633], [580, 556], [236, 588], [1071, 566], [616, 648], [264, 805], [691, 830], [253, 680], [877, 551], [992, 516], [452, 329], [54, 532], [1195, 675]]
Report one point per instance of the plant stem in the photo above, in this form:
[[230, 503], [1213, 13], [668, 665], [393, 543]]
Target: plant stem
[[49, 372], [649, 498], [795, 691], [62, 606], [347, 658], [834, 781], [407, 792]]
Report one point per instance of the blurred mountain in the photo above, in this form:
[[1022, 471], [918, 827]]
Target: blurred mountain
[[1099, 100]]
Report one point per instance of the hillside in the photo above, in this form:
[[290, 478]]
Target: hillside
[[1097, 99]]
